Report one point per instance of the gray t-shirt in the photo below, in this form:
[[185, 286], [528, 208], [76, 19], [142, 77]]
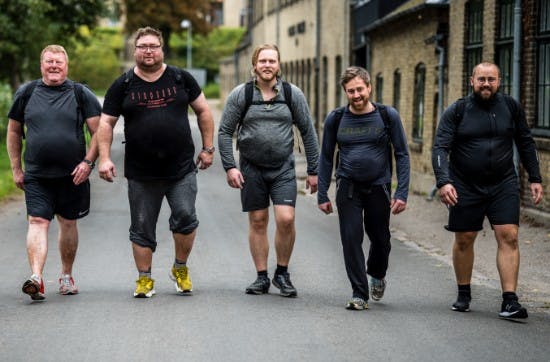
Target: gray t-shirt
[[55, 141]]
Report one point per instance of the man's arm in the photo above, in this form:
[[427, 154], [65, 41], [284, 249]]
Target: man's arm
[[14, 145], [304, 123], [206, 127], [228, 124], [442, 146], [106, 167], [83, 170]]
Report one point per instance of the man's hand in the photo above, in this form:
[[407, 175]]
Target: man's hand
[[325, 207], [311, 183], [19, 178], [204, 160], [536, 192], [107, 170], [448, 195], [397, 206], [81, 173], [235, 178]]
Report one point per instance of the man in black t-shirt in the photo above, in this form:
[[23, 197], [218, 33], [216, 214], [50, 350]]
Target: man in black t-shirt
[[57, 166], [159, 153]]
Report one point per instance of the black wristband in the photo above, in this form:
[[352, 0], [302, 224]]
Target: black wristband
[[89, 163]]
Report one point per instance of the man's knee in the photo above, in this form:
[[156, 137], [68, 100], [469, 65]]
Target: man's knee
[[38, 222], [258, 221], [465, 240]]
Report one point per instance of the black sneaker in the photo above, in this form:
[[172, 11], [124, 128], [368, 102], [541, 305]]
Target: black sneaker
[[282, 281], [260, 286], [512, 309], [462, 303]]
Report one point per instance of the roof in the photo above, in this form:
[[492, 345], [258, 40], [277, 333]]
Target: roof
[[410, 7]]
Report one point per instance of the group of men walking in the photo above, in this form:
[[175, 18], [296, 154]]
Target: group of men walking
[[359, 140]]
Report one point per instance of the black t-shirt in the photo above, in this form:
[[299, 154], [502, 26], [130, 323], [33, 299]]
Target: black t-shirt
[[159, 144], [54, 138]]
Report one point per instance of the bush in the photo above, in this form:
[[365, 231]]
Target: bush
[[5, 104], [212, 90]]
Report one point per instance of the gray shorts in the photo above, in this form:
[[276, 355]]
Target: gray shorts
[[145, 199], [46, 197], [261, 184]]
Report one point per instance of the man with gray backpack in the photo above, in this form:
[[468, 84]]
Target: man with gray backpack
[[263, 113]]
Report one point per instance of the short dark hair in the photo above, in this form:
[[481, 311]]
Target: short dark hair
[[141, 32], [353, 72]]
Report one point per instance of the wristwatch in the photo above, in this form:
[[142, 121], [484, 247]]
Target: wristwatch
[[209, 149], [89, 163]]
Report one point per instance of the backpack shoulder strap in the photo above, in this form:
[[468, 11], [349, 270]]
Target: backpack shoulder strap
[[177, 72], [128, 76], [27, 92], [287, 89], [248, 94], [460, 105], [385, 116]]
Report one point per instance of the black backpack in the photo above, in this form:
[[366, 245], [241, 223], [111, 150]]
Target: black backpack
[[339, 113], [78, 93]]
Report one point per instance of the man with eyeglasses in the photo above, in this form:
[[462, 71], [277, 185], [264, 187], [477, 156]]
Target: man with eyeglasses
[[53, 111], [159, 154], [473, 164]]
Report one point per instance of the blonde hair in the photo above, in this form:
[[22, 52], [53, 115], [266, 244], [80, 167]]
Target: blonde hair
[[54, 48]]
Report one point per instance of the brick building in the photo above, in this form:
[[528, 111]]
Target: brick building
[[420, 54]]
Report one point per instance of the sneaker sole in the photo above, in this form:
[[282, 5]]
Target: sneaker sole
[[256, 292], [459, 309], [375, 298], [145, 295], [520, 314], [30, 288], [352, 306], [285, 294]]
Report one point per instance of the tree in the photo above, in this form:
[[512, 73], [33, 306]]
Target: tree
[[166, 16], [26, 26]]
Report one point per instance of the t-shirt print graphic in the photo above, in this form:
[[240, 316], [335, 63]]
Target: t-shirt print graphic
[[154, 98]]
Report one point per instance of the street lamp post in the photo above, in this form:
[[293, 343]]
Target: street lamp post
[[186, 24]]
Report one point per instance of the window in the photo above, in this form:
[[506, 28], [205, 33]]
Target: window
[[473, 46], [337, 74], [505, 44], [396, 88], [542, 121], [379, 87], [324, 89], [418, 105]]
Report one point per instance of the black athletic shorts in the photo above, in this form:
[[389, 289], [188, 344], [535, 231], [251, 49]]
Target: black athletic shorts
[[499, 202], [261, 184], [46, 197]]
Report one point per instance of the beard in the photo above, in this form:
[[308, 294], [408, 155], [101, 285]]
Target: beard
[[485, 94]]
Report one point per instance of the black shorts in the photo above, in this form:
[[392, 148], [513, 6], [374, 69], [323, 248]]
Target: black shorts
[[46, 197], [499, 202], [261, 183]]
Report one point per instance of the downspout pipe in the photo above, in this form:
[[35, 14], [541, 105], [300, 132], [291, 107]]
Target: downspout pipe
[[317, 65], [516, 68]]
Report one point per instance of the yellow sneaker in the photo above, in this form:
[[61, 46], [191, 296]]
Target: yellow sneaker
[[182, 279], [144, 287]]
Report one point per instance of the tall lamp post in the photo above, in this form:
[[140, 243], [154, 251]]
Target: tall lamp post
[[186, 24]]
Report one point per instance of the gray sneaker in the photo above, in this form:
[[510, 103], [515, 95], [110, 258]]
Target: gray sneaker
[[377, 288], [356, 303]]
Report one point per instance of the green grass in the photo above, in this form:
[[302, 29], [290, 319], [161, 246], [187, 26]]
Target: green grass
[[7, 186], [211, 90]]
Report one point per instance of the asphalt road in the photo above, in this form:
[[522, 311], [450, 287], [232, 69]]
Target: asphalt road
[[220, 322]]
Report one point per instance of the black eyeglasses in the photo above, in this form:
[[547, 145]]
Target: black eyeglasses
[[144, 48]]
